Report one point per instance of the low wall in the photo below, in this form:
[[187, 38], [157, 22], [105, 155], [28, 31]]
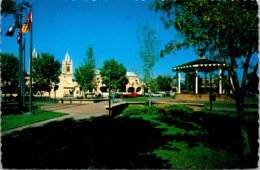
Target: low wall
[[80, 101], [201, 97], [194, 106]]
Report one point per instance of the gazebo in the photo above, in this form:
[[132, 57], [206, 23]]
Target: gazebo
[[200, 65]]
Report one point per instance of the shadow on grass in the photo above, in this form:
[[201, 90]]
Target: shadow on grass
[[103, 142], [217, 132]]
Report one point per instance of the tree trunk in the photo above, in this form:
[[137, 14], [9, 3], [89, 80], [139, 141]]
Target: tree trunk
[[245, 150], [150, 98]]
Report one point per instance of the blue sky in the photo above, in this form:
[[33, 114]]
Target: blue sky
[[109, 26]]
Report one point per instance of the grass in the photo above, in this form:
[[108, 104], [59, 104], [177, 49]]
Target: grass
[[14, 120], [194, 142], [136, 99], [181, 156], [18, 120]]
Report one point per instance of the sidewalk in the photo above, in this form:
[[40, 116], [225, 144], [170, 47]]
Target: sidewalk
[[75, 111]]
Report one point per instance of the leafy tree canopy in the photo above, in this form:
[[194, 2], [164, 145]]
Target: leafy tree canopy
[[117, 74], [45, 72], [164, 83], [148, 52], [9, 72], [85, 74], [13, 8], [9, 67]]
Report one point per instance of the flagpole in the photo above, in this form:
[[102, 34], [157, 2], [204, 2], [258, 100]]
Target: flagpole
[[30, 90], [20, 66], [23, 73]]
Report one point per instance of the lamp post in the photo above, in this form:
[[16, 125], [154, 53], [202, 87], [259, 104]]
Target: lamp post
[[109, 91]]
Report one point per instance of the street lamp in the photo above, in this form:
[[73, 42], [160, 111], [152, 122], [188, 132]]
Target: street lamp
[[109, 91]]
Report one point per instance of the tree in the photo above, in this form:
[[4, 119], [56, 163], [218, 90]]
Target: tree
[[164, 83], [45, 72], [223, 30], [116, 72], [9, 73], [11, 7], [85, 74], [148, 53]]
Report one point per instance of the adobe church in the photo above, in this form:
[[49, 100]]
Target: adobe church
[[66, 85]]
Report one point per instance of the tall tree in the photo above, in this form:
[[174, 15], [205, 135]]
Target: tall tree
[[45, 72], [224, 30], [148, 53], [116, 72], [9, 73], [85, 74], [164, 83]]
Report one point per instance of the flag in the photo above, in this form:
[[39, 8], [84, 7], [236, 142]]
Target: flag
[[19, 35], [11, 30], [27, 23]]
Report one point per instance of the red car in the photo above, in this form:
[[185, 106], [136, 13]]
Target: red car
[[133, 95]]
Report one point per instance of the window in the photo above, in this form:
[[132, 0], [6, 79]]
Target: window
[[68, 68]]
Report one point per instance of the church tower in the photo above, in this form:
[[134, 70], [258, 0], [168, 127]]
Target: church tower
[[67, 71], [67, 66]]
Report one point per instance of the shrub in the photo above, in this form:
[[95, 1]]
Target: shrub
[[133, 110], [178, 110], [140, 110], [152, 110]]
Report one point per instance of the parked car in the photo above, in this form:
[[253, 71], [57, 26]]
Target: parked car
[[133, 95]]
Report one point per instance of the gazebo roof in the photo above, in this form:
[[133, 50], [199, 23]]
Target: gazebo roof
[[202, 64]]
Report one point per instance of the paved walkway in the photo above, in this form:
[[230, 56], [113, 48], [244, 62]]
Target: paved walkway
[[75, 111]]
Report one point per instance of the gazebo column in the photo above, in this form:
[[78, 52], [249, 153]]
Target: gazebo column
[[220, 81], [179, 82], [196, 82]]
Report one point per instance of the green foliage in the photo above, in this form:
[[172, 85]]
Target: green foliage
[[148, 52], [45, 72], [11, 7], [116, 72], [133, 110], [152, 110], [85, 74], [164, 83], [9, 72], [140, 110], [180, 111]]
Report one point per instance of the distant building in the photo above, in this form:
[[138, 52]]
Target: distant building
[[134, 84], [70, 88], [66, 85]]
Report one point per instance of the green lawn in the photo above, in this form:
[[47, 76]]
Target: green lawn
[[194, 142], [18, 120], [136, 99]]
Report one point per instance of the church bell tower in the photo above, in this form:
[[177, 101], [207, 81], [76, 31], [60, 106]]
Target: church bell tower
[[67, 65]]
